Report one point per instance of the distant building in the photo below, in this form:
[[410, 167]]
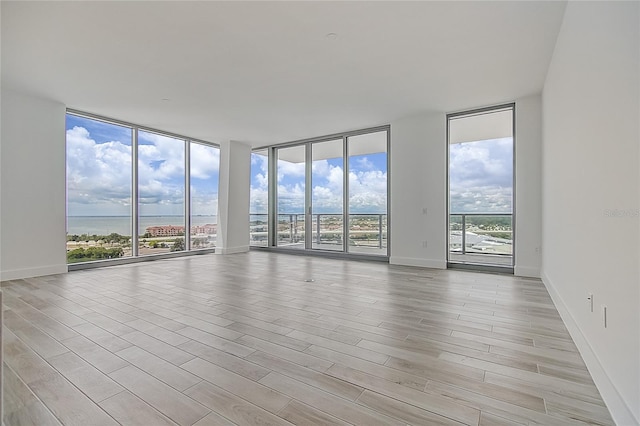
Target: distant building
[[178, 230], [165, 231], [204, 229]]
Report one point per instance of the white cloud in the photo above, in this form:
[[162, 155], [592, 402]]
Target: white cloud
[[367, 188], [163, 161], [291, 198], [205, 161], [481, 176], [484, 163], [260, 184], [288, 169], [97, 173], [368, 191]]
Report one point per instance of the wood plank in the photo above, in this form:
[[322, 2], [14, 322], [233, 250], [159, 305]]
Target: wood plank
[[296, 357], [323, 401], [102, 337], [232, 407], [488, 419], [230, 362], [128, 409], [365, 343], [91, 381], [286, 341], [356, 351], [302, 414], [163, 370], [157, 347], [68, 404], [433, 403], [95, 355], [21, 406], [322, 381], [246, 389], [170, 337], [39, 341], [173, 404], [403, 411], [217, 342], [391, 374], [38, 319]]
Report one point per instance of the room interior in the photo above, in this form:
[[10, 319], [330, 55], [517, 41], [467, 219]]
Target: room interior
[[246, 75]]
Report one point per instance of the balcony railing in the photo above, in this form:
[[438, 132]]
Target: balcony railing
[[481, 238], [366, 231]]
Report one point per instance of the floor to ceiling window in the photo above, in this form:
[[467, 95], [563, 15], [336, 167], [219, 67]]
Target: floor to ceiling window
[[174, 181], [99, 220], [291, 183], [204, 173], [161, 193], [368, 193], [327, 194], [481, 182], [259, 199]]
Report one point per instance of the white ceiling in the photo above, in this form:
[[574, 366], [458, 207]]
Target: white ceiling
[[266, 72]]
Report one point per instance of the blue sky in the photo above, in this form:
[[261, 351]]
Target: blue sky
[[99, 172], [99, 176]]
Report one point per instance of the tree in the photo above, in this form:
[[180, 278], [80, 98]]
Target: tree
[[94, 253], [178, 244]]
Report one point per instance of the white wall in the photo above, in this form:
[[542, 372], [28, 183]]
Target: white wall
[[233, 196], [419, 181], [32, 216], [591, 190], [528, 191]]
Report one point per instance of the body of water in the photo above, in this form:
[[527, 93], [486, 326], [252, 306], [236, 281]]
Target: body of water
[[105, 225]]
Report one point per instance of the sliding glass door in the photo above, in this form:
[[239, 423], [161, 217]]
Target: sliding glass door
[[326, 194], [368, 193], [259, 199], [291, 184], [481, 182]]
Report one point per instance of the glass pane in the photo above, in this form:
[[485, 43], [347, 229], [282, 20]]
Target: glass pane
[[205, 166], [291, 197], [259, 199], [160, 193], [481, 188], [368, 193], [327, 227], [98, 190]]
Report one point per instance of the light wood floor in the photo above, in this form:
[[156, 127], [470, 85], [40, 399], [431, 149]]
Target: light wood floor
[[246, 339]]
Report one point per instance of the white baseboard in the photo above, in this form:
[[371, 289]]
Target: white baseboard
[[16, 274], [424, 263], [619, 409], [232, 250], [526, 271]]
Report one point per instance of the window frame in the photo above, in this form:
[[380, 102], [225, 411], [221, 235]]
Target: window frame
[[272, 151], [134, 208]]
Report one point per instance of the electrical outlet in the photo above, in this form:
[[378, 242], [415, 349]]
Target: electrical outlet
[[424, 244], [424, 210]]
